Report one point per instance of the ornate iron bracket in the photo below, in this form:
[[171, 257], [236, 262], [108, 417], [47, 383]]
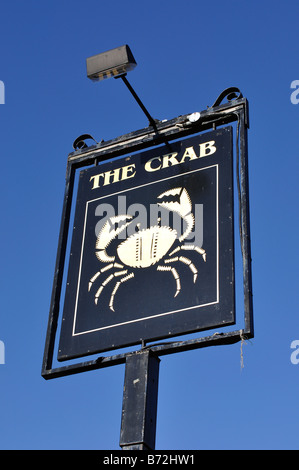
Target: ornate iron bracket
[[231, 94], [80, 143]]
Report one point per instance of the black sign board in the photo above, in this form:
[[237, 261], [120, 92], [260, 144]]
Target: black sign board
[[152, 252]]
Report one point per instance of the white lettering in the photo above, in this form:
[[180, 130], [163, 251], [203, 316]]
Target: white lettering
[[207, 148], [113, 176], [2, 93], [189, 153], [295, 354], [294, 99], [114, 460], [170, 160], [148, 165], [106, 210], [2, 353]]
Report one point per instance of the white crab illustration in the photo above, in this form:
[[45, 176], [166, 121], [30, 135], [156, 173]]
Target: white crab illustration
[[146, 247]]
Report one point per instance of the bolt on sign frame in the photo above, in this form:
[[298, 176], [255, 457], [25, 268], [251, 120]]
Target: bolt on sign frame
[[214, 118]]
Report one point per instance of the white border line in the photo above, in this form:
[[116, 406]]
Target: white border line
[[159, 314]]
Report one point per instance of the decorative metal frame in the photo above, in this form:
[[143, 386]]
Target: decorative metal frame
[[235, 109]]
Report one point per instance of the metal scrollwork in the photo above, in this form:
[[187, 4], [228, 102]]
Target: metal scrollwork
[[232, 93], [80, 143]]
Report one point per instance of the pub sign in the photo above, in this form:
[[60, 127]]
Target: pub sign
[[152, 251]]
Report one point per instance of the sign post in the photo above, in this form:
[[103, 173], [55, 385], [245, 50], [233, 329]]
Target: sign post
[[140, 399], [152, 253]]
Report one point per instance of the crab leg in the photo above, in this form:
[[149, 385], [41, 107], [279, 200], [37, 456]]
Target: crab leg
[[106, 268], [186, 261], [123, 279], [199, 250], [106, 281], [175, 275], [191, 266]]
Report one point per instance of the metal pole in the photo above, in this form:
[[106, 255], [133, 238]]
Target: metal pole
[[246, 244], [151, 120], [140, 398]]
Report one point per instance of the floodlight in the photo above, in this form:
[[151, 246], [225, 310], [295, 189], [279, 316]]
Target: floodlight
[[110, 64], [116, 63]]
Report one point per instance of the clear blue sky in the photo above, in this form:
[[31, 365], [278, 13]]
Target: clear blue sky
[[187, 53]]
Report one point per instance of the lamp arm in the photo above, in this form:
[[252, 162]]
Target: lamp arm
[[151, 120]]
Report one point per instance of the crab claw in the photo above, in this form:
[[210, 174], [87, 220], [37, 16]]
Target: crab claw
[[181, 204], [107, 234]]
